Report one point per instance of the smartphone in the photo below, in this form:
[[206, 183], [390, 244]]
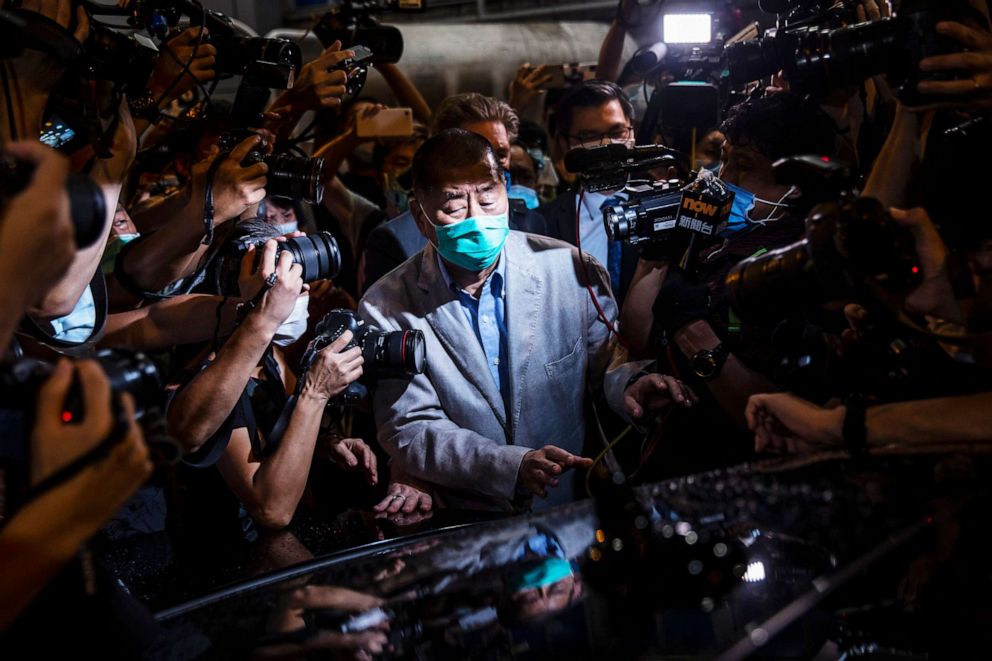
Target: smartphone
[[563, 75], [387, 123], [58, 135]]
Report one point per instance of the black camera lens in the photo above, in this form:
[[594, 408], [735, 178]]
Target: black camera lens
[[317, 253], [134, 373], [615, 221], [395, 352], [295, 177], [87, 206], [235, 53]]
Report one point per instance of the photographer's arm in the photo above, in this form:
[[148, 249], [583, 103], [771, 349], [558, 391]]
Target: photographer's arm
[[201, 408], [892, 173], [175, 321], [406, 92], [47, 531], [318, 85], [271, 488], [783, 422], [636, 318], [610, 61], [174, 250], [109, 174], [735, 383]]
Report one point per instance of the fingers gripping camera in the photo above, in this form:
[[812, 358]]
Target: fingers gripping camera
[[386, 354]]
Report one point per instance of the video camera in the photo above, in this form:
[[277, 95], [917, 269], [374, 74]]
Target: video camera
[[852, 248], [352, 22], [87, 206], [666, 217], [817, 58], [387, 354]]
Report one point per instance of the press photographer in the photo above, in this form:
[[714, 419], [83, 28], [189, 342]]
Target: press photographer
[[225, 414], [682, 316]]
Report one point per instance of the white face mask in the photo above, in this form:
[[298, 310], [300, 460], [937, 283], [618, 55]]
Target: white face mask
[[295, 325]]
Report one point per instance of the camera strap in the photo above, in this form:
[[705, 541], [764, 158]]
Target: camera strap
[[208, 199], [34, 330]]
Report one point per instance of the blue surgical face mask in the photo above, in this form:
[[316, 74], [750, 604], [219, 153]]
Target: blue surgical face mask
[[528, 195], [744, 201], [473, 244], [287, 228]]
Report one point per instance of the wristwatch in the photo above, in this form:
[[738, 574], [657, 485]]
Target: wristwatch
[[708, 362], [144, 107]]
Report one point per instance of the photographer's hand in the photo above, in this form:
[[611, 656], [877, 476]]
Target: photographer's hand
[[405, 496], [653, 393], [319, 84], [935, 294], [334, 369], [57, 442], [278, 301], [540, 469], [163, 85], [782, 422], [526, 87], [973, 93], [353, 454], [236, 187]]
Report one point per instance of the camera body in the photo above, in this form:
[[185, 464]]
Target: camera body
[[353, 22], [289, 176], [88, 207], [20, 382], [816, 59], [387, 354]]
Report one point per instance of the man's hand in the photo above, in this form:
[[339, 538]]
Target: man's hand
[[37, 235], [973, 93], [655, 392], [278, 302], [405, 497], [873, 10], [934, 296], [782, 422], [540, 468], [56, 443], [171, 61], [319, 84], [236, 187], [334, 369], [353, 454], [527, 85]]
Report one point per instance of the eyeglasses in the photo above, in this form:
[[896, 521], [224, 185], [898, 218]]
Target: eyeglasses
[[617, 134]]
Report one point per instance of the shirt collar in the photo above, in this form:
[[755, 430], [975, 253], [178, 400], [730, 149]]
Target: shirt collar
[[495, 280]]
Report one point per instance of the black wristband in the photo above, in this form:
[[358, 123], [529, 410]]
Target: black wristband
[[854, 429]]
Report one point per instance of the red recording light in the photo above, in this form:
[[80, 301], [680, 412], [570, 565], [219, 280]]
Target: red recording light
[[825, 159], [916, 269], [66, 416]]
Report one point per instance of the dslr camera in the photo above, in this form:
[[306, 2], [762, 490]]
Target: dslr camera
[[128, 372], [317, 253], [818, 56], [289, 176], [387, 354], [353, 22]]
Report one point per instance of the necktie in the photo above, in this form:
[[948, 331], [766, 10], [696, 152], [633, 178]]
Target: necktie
[[613, 250]]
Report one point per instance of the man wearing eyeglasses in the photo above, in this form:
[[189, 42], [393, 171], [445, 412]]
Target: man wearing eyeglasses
[[591, 113]]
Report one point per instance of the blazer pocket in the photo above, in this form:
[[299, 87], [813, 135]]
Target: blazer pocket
[[562, 367]]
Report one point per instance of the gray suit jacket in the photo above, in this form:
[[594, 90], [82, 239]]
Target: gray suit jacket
[[448, 426]]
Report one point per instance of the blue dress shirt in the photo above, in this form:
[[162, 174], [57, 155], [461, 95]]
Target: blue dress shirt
[[486, 316]]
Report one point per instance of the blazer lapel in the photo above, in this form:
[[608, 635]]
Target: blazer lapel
[[523, 313], [447, 318]]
